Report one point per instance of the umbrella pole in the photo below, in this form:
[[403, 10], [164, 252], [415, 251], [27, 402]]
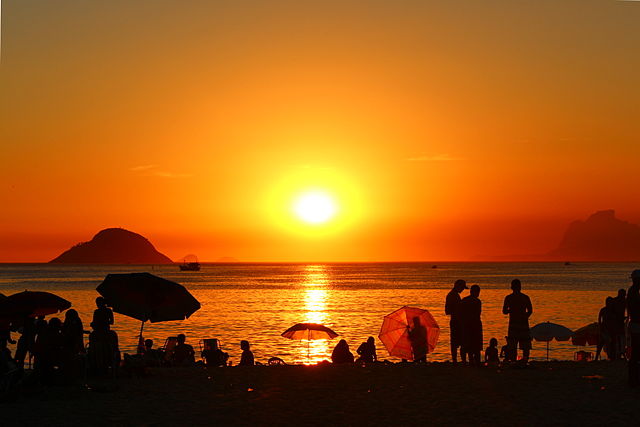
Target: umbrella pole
[[140, 342], [547, 351]]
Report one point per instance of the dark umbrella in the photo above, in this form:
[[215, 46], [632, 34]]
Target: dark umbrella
[[146, 297], [31, 304]]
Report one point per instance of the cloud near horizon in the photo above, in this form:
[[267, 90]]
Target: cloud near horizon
[[152, 170], [436, 158]]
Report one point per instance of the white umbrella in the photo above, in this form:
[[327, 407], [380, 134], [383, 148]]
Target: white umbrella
[[548, 331]]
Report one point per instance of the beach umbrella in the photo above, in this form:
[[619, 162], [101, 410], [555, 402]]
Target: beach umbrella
[[548, 331], [146, 297], [397, 326], [31, 304], [587, 335], [309, 331]]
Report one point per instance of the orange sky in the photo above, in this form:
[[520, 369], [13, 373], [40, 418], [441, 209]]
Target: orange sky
[[448, 130]]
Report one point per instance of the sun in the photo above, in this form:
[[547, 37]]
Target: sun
[[315, 207]]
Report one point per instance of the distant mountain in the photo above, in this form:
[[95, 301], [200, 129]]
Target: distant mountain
[[113, 246], [602, 237]]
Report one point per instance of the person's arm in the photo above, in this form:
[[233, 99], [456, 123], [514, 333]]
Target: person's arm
[[529, 307], [505, 306]]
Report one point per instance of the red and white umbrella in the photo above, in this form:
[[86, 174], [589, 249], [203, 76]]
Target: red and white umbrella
[[409, 333]]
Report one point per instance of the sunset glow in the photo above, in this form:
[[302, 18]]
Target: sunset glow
[[431, 145], [315, 207]]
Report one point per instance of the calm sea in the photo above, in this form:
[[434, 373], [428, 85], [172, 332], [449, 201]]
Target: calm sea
[[258, 302]]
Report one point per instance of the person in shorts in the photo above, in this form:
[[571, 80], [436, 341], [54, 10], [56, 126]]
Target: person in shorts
[[518, 306]]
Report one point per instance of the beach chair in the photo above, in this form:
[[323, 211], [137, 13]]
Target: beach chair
[[276, 361], [168, 348], [211, 352], [583, 356]]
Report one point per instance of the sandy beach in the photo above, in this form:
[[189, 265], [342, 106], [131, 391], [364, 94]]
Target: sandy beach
[[555, 393]]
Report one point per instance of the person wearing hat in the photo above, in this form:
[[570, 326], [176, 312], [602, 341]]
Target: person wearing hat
[[519, 308], [452, 308], [633, 310]]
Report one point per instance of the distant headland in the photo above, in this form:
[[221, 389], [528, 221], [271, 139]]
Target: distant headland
[[602, 237], [113, 246]]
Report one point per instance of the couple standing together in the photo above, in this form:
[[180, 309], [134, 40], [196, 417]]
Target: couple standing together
[[466, 322]]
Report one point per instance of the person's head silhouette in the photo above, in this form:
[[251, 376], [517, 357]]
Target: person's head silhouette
[[493, 342], [516, 286], [460, 285], [371, 341], [635, 277], [71, 314], [181, 338], [148, 344], [416, 322], [475, 291], [244, 345], [101, 302], [622, 293]]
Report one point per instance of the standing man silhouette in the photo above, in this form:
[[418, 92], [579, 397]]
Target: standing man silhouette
[[452, 308], [633, 309], [518, 306]]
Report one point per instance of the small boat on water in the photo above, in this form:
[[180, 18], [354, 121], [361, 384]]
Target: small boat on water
[[190, 263]]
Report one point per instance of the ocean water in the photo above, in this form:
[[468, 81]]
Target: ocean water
[[257, 302]]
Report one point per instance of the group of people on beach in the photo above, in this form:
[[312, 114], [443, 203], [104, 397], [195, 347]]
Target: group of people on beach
[[58, 349], [466, 325], [618, 320]]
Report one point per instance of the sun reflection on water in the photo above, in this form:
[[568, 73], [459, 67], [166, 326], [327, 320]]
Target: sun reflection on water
[[316, 296]]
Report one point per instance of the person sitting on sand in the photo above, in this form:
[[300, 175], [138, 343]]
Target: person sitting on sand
[[151, 356], [341, 353], [214, 356], [491, 353], [451, 308], [519, 308], [367, 351], [418, 340], [102, 316], [247, 355], [470, 316], [183, 354], [507, 353]]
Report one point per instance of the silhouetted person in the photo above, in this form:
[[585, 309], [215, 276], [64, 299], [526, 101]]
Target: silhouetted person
[[151, 356], [367, 351], [470, 314], [507, 353], [620, 309], [341, 353], [418, 340], [491, 353], [183, 353], [73, 332], [50, 351], [451, 308], [606, 323], [246, 359], [104, 351], [102, 315], [5, 331], [633, 309], [27, 340], [215, 356], [518, 306]]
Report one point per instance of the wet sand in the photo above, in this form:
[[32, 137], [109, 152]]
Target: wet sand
[[555, 393]]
